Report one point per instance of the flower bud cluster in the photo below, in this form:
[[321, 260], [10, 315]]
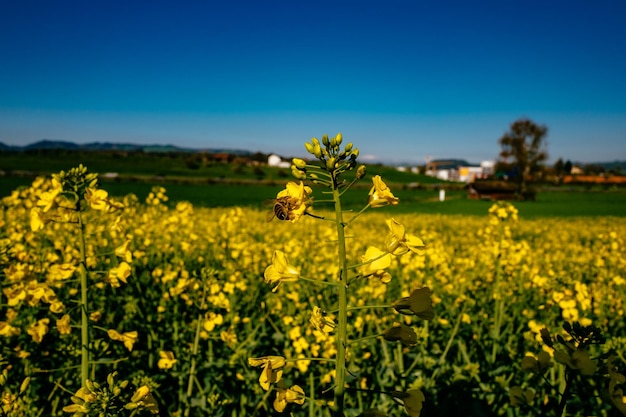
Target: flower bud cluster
[[332, 157], [95, 398]]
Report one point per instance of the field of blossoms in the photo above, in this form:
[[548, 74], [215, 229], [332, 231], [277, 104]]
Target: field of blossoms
[[178, 300]]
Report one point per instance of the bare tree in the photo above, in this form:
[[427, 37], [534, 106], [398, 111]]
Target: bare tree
[[524, 148]]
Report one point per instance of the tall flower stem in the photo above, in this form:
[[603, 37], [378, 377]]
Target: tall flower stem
[[342, 314], [84, 326]]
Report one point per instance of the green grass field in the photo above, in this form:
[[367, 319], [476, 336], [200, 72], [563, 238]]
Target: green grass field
[[419, 201], [211, 184]]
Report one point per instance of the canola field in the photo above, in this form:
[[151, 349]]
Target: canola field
[[177, 302]]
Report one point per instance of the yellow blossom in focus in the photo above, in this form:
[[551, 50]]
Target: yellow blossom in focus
[[380, 195], [280, 270], [320, 322], [293, 394], [398, 242], [272, 369], [295, 199], [128, 338], [166, 359]]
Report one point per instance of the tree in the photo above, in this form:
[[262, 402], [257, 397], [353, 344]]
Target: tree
[[524, 148]]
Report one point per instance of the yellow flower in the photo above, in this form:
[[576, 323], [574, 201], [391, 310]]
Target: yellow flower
[[412, 400], [295, 199], [280, 270], [320, 322], [272, 369], [63, 324], [380, 195], [418, 303], [167, 360], [61, 271], [117, 274], [211, 320], [375, 261], [7, 330], [229, 337], [47, 199], [294, 394], [128, 338], [37, 219], [123, 252], [399, 243], [38, 330], [141, 393], [96, 198]]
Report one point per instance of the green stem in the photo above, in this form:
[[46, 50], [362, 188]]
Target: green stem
[[360, 339], [358, 214], [342, 314], [192, 370], [318, 281], [84, 325], [498, 305]]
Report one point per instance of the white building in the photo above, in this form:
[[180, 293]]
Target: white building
[[276, 161]]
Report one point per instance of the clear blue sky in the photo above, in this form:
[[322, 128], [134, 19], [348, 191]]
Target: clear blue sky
[[403, 80]]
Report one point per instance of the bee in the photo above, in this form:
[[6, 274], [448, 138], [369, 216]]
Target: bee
[[280, 208]]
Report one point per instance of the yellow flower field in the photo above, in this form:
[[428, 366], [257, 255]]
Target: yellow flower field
[[179, 300]]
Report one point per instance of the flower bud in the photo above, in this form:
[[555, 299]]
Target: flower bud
[[299, 163], [355, 152], [301, 175], [361, 171], [309, 147], [330, 163], [325, 140], [338, 139], [141, 393], [348, 147]]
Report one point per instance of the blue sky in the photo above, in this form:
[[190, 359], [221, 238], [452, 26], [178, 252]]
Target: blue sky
[[403, 80]]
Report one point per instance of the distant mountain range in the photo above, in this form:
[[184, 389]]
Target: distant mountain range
[[47, 144]]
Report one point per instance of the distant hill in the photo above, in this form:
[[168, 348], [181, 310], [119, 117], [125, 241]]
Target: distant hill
[[47, 144]]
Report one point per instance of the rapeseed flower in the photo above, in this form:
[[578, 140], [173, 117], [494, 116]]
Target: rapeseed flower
[[293, 394], [296, 198], [128, 338], [280, 270], [63, 324], [97, 198], [166, 359], [380, 194], [320, 322], [374, 262], [117, 274], [398, 242], [39, 329], [272, 369]]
